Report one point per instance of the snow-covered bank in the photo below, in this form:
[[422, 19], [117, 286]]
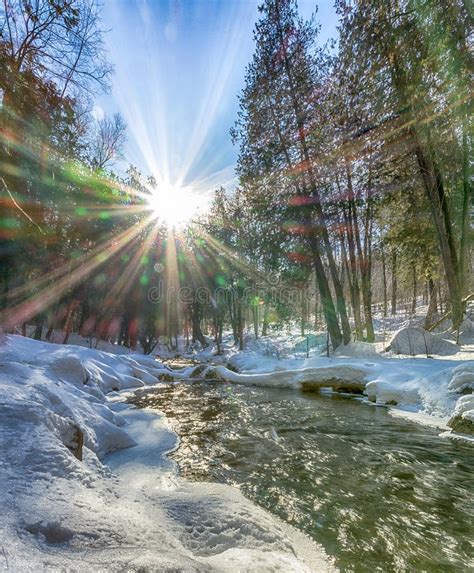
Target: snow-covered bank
[[433, 388], [316, 376], [128, 509]]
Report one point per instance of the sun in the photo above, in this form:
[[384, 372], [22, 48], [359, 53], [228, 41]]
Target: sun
[[174, 205]]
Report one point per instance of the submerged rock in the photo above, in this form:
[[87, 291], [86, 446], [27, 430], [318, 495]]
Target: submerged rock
[[461, 425], [52, 531], [462, 420]]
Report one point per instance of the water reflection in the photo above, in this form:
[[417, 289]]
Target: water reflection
[[379, 493]]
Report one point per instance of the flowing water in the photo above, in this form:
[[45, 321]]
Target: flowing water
[[378, 493]]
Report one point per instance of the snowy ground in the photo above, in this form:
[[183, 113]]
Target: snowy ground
[[120, 507], [425, 376], [123, 506], [431, 391]]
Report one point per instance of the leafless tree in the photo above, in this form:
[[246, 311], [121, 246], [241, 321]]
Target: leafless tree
[[62, 40], [108, 141]]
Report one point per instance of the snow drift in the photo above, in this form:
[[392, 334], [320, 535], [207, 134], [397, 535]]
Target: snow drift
[[414, 341], [111, 511], [432, 388]]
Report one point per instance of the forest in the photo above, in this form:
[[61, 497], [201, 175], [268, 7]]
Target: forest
[[354, 189], [236, 286]]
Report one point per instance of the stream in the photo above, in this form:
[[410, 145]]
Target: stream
[[379, 493]]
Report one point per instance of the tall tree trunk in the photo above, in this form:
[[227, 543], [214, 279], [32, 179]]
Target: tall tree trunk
[[321, 278], [394, 283], [440, 298], [240, 324], [220, 325], [5, 273], [431, 304], [466, 205], [255, 320], [233, 316], [327, 298], [354, 293], [85, 307], [327, 304], [39, 322], [68, 320], [413, 302], [352, 271], [364, 256], [434, 188], [49, 332], [304, 312], [384, 283], [196, 324], [316, 313], [265, 317], [339, 291], [367, 299]]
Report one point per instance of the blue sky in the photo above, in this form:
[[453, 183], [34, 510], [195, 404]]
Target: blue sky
[[179, 67]]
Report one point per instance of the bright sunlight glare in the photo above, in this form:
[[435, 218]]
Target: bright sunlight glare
[[174, 205]]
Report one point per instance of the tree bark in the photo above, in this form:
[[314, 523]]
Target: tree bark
[[336, 337], [240, 324], [39, 322], [321, 278], [434, 188], [394, 283], [413, 302], [352, 273], [384, 283], [255, 320], [364, 256], [329, 310], [431, 305], [265, 317], [304, 312], [466, 205], [196, 324]]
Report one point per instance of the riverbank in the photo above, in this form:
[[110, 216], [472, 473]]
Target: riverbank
[[69, 502], [379, 493], [85, 478], [434, 391]]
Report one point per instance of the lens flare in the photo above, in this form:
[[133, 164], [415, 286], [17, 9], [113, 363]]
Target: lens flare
[[174, 205]]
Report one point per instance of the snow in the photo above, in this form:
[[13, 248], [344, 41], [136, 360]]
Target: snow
[[120, 507], [297, 378], [357, 350], [465, 408], [466, 331], [426, 389], [420, 418], [124, 505], [414, 340], [462, 378], [462, 419]]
